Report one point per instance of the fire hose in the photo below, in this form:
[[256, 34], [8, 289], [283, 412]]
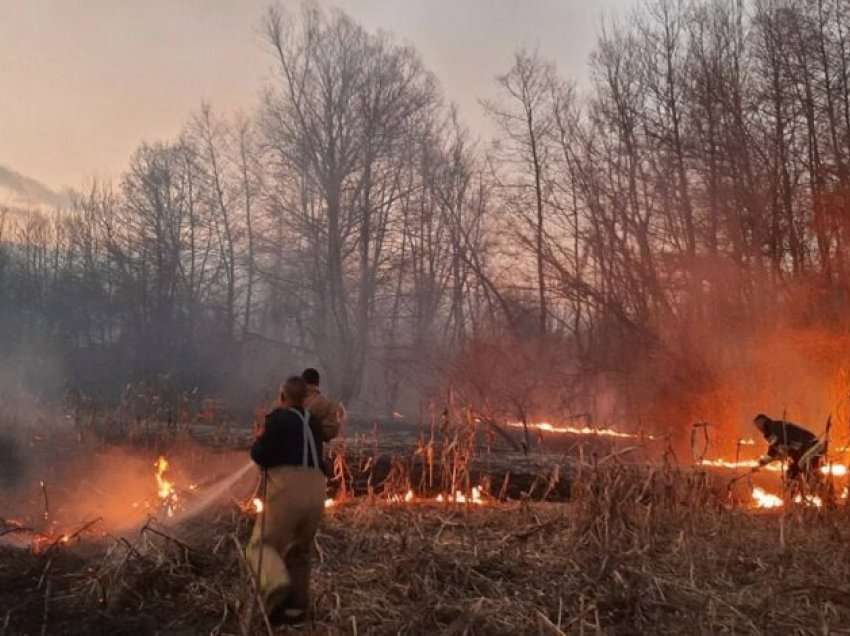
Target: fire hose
[[746, 474], [264, 487]]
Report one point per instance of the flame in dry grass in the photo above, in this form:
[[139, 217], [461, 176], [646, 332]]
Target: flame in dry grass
[[165, 489], [576, 430], [836, 470], [459, 497], [764, 499], [809, 500], [733, 465], [476, 496], [408, 497]]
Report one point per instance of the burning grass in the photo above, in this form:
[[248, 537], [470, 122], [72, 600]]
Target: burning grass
[[636, 550], [430, 544]]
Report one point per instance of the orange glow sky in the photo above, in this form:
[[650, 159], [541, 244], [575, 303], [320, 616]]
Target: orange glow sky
[[82, 82]]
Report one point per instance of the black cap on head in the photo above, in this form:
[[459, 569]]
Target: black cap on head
[[311, 376], [761, 420]]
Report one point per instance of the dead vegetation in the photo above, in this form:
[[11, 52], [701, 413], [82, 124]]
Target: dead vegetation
[[634, 551]]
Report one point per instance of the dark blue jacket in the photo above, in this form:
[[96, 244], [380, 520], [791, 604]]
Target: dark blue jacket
[[282, 441]]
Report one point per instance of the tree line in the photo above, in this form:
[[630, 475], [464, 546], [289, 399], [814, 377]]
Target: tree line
[[697, 186]]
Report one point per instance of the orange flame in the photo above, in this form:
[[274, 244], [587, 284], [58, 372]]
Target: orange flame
[[836, 470], [809, 500], [764, 499], [474, 497], [584, 430], [744, 463], [165, 489]]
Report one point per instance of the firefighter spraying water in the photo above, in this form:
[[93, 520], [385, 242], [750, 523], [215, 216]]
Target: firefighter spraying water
[[289, 450]]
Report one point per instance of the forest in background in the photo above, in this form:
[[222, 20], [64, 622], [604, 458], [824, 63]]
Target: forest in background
[[669, 243]]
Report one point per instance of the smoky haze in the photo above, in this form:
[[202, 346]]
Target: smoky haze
[[84, 82], [658, 236]]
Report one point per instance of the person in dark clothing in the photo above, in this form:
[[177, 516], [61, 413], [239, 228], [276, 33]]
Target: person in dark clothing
[[801, 448], [328, 411], [283, 441], [289, 449]]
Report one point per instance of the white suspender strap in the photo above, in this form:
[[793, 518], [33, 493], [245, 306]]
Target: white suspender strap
[[308, 433], [309, 441]]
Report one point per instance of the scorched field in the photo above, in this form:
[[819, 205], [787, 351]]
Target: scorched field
[[426, 531]]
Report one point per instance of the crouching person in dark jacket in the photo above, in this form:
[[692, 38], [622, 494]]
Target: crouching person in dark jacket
[[801, 448], [290, 450]]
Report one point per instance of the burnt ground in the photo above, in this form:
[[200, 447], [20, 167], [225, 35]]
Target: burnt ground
[[631, 554], [637, 548]]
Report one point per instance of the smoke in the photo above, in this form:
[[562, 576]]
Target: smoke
[[11, 461], [117, 486], [24, 192], [744, 351], [733, 344]]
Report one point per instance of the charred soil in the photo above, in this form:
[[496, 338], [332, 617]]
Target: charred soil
[[633, 552]]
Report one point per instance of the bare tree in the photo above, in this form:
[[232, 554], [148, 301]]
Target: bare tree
[[339, 117], [525, 118]]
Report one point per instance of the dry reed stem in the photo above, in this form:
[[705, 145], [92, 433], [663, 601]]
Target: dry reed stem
[[636, 551]]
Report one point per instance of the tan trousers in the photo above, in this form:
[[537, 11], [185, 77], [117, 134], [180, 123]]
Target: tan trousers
[[295, 500]]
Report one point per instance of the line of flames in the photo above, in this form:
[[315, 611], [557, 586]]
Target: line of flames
[[761, 498], [167, 492], [602, 432], [169, 500], [764, 499], [767, 500], [834, 469], [475, 497], [579, 430]]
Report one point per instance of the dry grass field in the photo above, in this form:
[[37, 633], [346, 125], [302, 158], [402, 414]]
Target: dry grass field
[[635, 550]]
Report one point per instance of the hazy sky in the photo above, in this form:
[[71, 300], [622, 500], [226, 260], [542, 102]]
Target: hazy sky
[[82, 82]]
